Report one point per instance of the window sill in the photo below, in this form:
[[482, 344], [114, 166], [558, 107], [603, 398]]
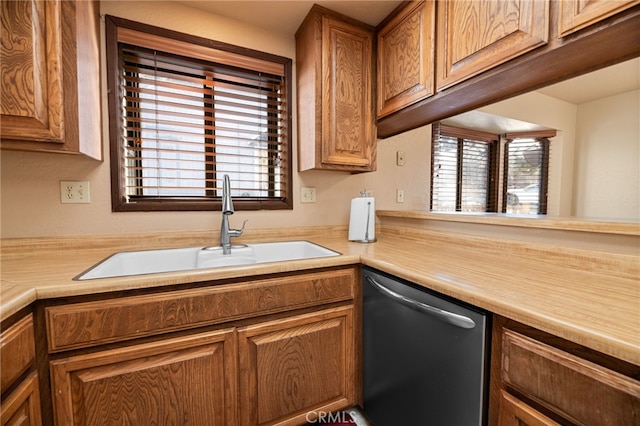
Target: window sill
[[608, 226]]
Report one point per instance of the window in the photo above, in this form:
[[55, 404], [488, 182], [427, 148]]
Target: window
[[465, 170], [463, 164], [185, 111], [526, 165]]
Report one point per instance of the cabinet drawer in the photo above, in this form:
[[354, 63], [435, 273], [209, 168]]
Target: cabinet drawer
[[17, 351], [90, 323], [514, 412], [22, 406], [579, 390]]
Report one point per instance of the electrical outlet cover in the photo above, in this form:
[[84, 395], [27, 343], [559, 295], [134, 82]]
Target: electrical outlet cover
[[74, 192]]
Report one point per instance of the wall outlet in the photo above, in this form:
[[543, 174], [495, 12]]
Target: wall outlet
[[74, 192], [401, 158], [308, 194], [368, 192], [399, 195]]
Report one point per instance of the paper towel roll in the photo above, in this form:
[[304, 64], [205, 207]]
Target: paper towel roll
[[362, 224]]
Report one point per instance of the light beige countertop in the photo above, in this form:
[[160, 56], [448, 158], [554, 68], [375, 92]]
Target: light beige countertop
[[588, 297]]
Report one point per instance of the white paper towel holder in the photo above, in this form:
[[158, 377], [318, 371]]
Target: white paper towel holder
[[366, 237]]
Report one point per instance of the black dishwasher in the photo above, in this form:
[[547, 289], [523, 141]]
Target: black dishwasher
[[425, 356]]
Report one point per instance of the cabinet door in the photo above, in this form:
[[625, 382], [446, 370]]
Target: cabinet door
[[348, 126], [31, 71], [22, 406], [474, 36], [577, 14], [514, 412], [51, 77], [17, 351], [291, 370], [189, 380], [406, 57], [568, 385]]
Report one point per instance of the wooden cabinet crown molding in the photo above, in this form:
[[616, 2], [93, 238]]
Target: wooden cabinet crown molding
[[51, 77]]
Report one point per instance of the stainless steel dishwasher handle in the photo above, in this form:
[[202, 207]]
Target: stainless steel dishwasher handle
[[454, 319]]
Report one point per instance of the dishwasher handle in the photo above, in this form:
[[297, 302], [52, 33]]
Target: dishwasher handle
[[446, 316]]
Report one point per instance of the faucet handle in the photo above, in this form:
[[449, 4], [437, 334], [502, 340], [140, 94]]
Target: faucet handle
[[238, 232]]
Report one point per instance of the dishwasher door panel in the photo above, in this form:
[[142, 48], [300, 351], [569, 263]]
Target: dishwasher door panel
[[420, 369]]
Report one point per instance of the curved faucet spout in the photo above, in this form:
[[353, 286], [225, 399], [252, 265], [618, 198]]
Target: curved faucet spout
[[227, 233], [227, 202]]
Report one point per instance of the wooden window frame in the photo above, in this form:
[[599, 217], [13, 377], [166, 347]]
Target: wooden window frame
[[148, 36], [542, 137], [492, 176]]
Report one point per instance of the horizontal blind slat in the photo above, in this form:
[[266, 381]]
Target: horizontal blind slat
[[188, 124]]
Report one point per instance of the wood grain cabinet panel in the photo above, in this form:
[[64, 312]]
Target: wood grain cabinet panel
[[91, 323], [406, 57], [290, 370], [574, 15], [180, 381], [17, 351], [514, 412], [32, 105], [22, 406], [575, 389], [336, 126], [20, 394], [50, 85], [475, 36]]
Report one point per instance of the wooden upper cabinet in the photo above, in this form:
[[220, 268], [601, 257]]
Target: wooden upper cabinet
[[475, 36], [406, 57], [50, 60], [336, 127], [31, 71], [574, 15]]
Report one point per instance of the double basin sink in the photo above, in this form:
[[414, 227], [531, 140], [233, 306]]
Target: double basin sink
[[183, 259]]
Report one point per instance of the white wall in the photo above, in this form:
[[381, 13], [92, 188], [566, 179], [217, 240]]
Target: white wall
[[555, 114], [595, 161], [607, 178], [29, 187]]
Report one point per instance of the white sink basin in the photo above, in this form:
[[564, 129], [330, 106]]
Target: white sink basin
[[184, 259]]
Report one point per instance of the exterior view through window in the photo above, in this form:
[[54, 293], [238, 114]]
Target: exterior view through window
[[184, 114], [465, 171], [526, 171]]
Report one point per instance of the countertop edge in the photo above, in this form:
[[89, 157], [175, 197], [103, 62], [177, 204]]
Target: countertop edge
[[391, 254]]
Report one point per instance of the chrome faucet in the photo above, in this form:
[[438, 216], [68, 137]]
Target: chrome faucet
[[227, 233]]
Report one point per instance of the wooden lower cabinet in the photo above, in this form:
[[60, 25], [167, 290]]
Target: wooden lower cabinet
[[539, 379], [270, 350], [18, 376], [22, 407], [182, 381], [514, 412], [293, 370]]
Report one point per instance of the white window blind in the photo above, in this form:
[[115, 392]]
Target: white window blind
[[184, 122], [462, 170], [526, 175]]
